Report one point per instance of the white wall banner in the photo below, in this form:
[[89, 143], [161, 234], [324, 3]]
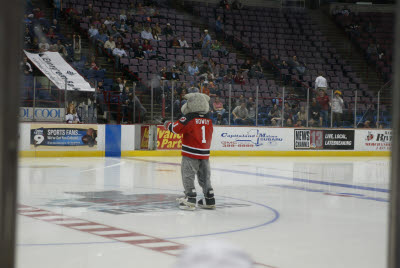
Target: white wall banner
[[52, 65], [252, 139], [42, 114], [373, 140]]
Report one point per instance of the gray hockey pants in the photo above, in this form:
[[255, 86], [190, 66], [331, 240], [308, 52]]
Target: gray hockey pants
[[190, 167]]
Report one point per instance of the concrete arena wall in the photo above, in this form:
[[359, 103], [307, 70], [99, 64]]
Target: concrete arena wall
[[65, 140]]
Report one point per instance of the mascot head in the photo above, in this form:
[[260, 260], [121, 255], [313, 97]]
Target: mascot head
[[196, 103]]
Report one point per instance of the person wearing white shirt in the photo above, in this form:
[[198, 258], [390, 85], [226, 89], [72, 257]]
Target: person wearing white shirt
[[118, 53], [182, 42], [337, 109], [93, 31], [146, 34], [321, 83]]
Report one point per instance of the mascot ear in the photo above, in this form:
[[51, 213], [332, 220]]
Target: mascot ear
[[184, 109], [188, 96]]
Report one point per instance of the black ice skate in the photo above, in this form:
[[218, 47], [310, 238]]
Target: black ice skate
[[208, 202], [187, 202]]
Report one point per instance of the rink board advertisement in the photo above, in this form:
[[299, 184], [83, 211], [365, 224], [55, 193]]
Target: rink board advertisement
[[42, 114], [373, 140], [167, 140], [315, 139], [63, 137], [144, 137], [251, 139]]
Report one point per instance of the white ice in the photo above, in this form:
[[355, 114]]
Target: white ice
[[284, 212]]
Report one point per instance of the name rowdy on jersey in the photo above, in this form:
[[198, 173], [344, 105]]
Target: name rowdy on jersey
[[202, 121]]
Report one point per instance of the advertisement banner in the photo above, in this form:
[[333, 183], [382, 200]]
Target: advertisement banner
[[167, 140], [373, 140], [56, 69], [315, 139], [144, 137], [252, 139], [52, 137], [42, 114]]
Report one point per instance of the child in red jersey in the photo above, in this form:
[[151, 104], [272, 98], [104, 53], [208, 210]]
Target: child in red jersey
[[197, 129]]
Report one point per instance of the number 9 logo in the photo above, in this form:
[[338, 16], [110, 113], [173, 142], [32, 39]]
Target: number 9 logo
[[38, 139]]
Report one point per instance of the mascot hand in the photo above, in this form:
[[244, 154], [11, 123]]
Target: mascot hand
[[166, 124]]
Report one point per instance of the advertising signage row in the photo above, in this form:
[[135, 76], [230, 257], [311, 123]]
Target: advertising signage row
[[280, 139]]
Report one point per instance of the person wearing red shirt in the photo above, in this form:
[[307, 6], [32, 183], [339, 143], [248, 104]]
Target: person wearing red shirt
[[197, 129], [323, 101], [146, 46]]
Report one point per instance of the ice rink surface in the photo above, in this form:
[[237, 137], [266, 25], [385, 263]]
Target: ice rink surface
[[284, 212]]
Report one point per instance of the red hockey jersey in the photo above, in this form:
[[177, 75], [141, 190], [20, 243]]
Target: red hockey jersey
[[197, 135]]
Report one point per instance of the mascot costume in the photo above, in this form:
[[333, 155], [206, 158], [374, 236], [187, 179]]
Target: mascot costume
[[196, 128]]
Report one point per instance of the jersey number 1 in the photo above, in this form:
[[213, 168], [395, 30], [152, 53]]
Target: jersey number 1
[[203, 131]]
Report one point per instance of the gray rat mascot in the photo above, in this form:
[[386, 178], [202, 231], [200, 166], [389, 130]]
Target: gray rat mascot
[[197, 129]]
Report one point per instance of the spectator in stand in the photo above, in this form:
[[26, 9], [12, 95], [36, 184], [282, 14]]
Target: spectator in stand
[[92, 64], [183, 43], [193, 69], [337, 109], [28, 38], [26, 67], [114, 32], [302, 116], [147, 48], [89, 12], [241, 115], [122, 28], [246, 66], [276, 61], [256, 71], [101, 39], [119, 85], [174, 74], [251, 107], [55, 26], [168, 32], [108, 21], [156, 36], [275, 115], [221, 72], [315, 114], [146, 34], [93, 31], [135, 45], [119, 53], [110, 45], [287, 111], [218, 106], [199, 60], [206, 44], [320, 83], [138, 28], [122, 16], [216, 46], [43, 45], [71, 116], [225, 4], [193, 88], [157, 29], [240, 100], [51, 35], [239, 78], [39, 15], [289, 123], [237, 5], [60, 48], [219, 26], [367, 124], [175, 43], [220, 121], [139, 54], [132, 9], [323, 101], [297, 66], [204, 69]]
